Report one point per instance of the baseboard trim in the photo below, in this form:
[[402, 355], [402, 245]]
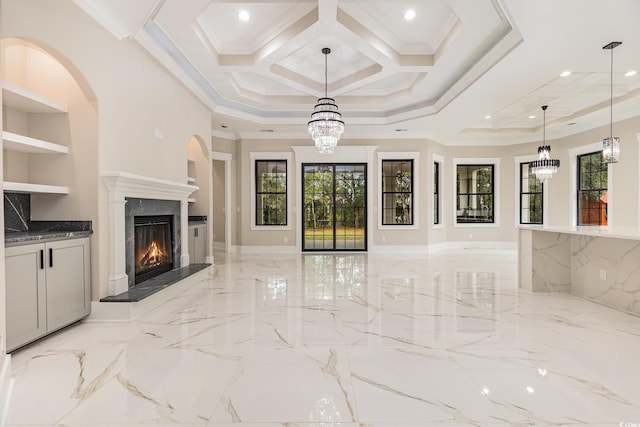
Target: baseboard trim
[[505, 245], [127, 311], [388, 249], [269, 250]]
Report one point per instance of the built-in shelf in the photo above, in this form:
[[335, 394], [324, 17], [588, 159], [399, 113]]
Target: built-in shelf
[[23, 187], [191, 200], [25, 144], [190, 180], [22, 99]]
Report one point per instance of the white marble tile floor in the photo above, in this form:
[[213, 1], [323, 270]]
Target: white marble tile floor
[[349, 340]]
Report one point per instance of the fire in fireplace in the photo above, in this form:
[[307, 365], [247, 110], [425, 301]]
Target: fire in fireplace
[[153, 246]]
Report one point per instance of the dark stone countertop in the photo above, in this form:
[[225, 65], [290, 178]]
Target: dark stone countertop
[[197, 219], [28, 237]]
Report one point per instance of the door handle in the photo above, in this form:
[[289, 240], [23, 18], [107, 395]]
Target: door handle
[[41, 259], [50, 257]]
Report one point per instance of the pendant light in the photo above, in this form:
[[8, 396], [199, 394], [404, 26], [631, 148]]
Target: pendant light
[[326, 125], [611, 144], [545, 166]]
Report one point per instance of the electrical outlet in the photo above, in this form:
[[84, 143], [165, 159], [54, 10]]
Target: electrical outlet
[[603, 274]]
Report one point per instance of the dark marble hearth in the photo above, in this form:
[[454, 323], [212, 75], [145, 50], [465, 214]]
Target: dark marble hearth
[[158, 283]]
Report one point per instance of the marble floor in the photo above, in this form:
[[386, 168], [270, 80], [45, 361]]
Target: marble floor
[[343, 340]]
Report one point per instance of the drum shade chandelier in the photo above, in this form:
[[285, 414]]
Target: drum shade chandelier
[[545, 166], [326, 125], [611, 144]]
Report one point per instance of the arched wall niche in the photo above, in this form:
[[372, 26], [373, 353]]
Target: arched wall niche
[[198, 174], [38, 67], [46, 98]]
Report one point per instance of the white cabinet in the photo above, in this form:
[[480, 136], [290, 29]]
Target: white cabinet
[[48, 286], [21, 106], [197, 243]]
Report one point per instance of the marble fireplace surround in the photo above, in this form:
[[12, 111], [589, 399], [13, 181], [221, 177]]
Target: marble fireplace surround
[[124, 186]]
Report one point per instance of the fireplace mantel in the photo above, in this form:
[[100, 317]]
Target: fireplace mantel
[[123, 185], [130, 185]]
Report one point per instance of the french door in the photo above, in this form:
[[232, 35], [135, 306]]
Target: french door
[[335, 207]]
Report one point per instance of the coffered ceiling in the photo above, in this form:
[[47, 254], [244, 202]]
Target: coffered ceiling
[[460, 72]]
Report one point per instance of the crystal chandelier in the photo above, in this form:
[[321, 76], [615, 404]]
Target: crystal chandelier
[[326, 126], [545, 166], [611, 145]]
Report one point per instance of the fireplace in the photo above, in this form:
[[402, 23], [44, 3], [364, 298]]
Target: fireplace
[[153, 246]]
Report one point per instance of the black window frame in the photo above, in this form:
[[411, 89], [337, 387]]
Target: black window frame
[[470, 216], [602, 167], [259, 213], [396, 192], [436, 193], [530, 177]]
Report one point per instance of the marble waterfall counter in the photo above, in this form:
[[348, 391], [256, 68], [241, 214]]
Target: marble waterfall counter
[[598, 263]]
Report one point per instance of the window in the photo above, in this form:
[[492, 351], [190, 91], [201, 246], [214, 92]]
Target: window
[[531, 196], [271, 192], [592, 189], [436, 193], [397, 192], [474, 193]]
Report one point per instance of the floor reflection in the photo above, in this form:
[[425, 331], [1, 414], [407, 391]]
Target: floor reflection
[[319, 340], [332, 277]]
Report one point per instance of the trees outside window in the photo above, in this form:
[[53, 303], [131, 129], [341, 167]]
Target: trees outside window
[[397, 192], [531, 196], [592, 189], [271, 192], [474, 194]]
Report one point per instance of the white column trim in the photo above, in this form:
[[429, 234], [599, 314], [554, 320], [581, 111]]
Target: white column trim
[[226, 158]]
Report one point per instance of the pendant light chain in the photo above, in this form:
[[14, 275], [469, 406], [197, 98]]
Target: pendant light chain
[[611, 144], [611, 101], [326, 75]]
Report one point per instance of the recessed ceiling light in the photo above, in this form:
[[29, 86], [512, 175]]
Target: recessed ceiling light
[[266, 130], [530, 389], [487, 117], [224, 126], [401, 130], [565, 73], [630, 73], [243, 15], [532, 116], [409, 14]]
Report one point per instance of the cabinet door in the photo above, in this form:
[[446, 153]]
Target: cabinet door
[[25, 298], [68, 282], [200, 244]]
